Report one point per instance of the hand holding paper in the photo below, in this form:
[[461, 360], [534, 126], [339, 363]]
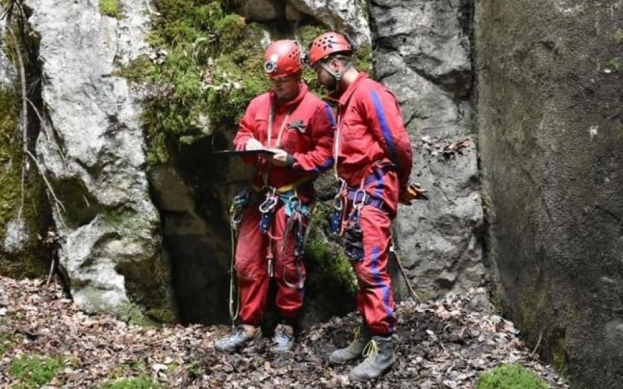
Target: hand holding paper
[[253, 144]]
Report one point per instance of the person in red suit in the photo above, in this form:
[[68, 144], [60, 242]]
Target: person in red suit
[[373, 160], [298, 128]]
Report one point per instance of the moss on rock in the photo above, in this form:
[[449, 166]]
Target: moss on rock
[[30, 259], [207, 69], [327, 258], [151, 293], [110, 8]]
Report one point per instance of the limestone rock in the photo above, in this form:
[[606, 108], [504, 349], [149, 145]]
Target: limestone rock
[[423, 55], [16, 235], [7, 71], [551, 141], [345, 16], [92, 150]]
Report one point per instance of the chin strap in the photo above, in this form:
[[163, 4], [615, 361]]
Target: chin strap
[[337, 75]]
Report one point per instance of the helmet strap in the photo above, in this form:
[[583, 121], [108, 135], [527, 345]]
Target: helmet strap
[[337, 75]]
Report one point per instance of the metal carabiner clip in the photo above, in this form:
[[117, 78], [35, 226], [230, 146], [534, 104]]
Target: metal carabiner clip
[[338, 203], [359, 203], [270, 202], [268, 205]]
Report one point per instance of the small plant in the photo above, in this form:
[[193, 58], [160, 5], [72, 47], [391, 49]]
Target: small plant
[[34, 371], [510, 376], [110, 8], [141, 382], [615, 64], [6, 342]]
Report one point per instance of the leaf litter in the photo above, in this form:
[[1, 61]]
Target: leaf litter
[[439, 345]]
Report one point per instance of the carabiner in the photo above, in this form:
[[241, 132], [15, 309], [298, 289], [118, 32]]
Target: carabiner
[[270, 202], [338, 203], [359, 203], [268, 205]]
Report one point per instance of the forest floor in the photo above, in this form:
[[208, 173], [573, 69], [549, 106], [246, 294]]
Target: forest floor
[[442, 344]]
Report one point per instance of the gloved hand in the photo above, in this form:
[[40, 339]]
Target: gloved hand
[[413, 192]]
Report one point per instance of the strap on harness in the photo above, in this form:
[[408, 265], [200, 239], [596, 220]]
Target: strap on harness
[[238, 205]]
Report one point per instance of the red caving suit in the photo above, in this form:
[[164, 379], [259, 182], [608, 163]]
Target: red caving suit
[[372, 153], [304, 128]]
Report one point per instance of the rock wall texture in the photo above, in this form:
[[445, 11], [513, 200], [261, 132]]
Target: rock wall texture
[[423, 54], [550, 118], [24, 214], [92, 151]]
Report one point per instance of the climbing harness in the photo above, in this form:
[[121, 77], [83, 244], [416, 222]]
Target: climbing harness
[[346, 214], [296, 213]]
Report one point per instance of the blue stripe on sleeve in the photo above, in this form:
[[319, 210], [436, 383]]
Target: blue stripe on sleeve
[[329, 113], [325, 166], [389, 139]]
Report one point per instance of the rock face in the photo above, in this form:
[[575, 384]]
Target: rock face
[[423, 55], [551, 137], [24, 214], [92, 151], [346, 16]]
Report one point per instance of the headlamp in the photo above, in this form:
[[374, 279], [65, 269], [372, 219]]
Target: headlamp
[[270, 66]]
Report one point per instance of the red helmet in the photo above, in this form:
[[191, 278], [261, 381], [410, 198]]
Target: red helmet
[[283, 58], [326, 44]]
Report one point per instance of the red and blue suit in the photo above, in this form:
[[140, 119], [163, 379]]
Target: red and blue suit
[[373, 159], [304, 128]]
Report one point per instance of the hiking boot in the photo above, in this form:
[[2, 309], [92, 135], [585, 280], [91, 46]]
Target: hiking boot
[[283, 339], [379, 353], [354, 349], [240, 337]]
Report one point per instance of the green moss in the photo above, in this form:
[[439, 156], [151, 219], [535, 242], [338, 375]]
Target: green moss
[[110, 8], [28, 39], [141, 382], [559, 356], [151, 292], [618, 35], [238, 76], [363, 59], [615, 64], [34, 371], [509, 376], [30, 261], [7, 341], [162, 315], [425, 294], [123, 370], [138, 70], [230, 31], [207, 69], [363, 7], [327, 262], [307, 33]]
